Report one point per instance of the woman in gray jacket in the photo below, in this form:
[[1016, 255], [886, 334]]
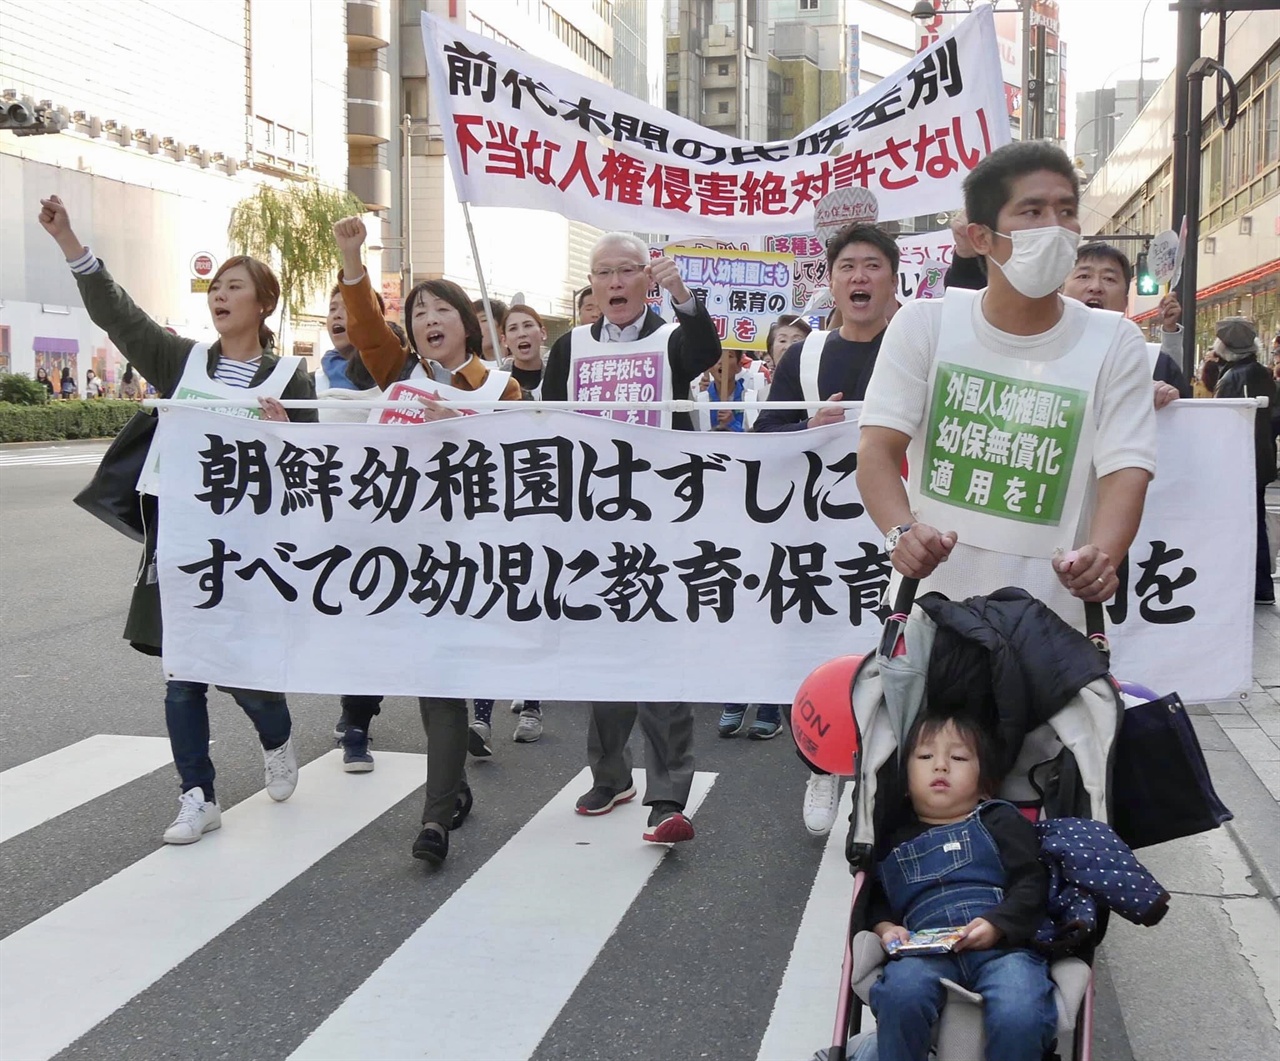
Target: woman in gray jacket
[[242, 294]]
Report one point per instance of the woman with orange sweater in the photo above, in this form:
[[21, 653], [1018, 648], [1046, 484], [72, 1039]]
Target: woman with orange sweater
[[444, 333]]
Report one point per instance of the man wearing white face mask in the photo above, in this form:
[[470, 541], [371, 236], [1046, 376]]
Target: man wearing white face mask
[[1026, 418]]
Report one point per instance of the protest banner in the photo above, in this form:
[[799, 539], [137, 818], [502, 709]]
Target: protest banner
[[518, 129], [541, 553]]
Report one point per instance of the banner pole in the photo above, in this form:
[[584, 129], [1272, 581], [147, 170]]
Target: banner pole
[[484, 288]]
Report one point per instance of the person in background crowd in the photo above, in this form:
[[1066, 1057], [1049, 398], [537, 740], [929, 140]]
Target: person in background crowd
[[621, 273], [92, 385], [42, 377], [862, 267], [1244, 376], [336, 364], [130, 388], [499, 314], [588, 307], [784, 333], [523, 334], [67, 385], [1207, 383], [242, 295], [445, 333], [727, 419], [1101, 280]]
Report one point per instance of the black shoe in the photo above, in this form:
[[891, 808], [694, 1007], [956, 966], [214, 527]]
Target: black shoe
[[355, 751], [344, 720], [601, 800], [431, 846], [667, 824], [661, 810], [462, 807]]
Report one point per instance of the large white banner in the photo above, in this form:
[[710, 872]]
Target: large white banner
[[520, 130], [542, 553]]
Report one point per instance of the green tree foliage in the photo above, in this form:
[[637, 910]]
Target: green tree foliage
[[292, 229]]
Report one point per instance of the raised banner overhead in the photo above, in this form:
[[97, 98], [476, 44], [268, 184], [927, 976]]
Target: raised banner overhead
[[520, 130], [542, 553]]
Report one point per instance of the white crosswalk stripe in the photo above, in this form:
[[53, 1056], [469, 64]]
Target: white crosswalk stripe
[[48, 460], [92, 957], [56, 783], [585, 874]]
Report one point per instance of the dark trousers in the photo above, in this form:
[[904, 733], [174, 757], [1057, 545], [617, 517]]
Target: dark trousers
[[668, 748], [186, 716], [361, 709], [1263, 588], [444, 720]]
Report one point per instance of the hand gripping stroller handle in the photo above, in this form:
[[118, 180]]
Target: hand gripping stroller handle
[[1095, 626], [902, 604]]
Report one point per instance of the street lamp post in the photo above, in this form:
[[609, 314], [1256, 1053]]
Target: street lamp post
[[1081, 129], [1142, 56]]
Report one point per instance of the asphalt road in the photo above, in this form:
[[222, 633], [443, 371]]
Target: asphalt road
[[545, 935]]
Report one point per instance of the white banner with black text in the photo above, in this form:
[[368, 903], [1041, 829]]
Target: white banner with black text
[[520, 130], [542, 553]]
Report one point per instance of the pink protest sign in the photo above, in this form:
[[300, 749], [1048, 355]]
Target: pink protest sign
[[620, 377]]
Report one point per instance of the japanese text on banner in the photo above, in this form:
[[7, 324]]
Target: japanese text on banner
[[548, 554], [518, 129]]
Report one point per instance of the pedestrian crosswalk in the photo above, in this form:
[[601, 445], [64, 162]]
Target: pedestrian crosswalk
[[55, 458], [488, 971]]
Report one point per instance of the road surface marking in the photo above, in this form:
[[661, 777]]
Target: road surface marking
[[43, 788], [90, 956], [805, 1008], [486, 941]]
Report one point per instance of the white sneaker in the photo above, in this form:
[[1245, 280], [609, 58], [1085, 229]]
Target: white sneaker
[[529, 728], [821, 797], [282, 771], [195, 817]]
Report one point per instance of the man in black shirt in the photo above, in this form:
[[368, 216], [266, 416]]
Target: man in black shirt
[[862, 270]]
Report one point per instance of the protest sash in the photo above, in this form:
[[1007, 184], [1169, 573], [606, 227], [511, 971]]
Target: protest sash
[[545, 554]]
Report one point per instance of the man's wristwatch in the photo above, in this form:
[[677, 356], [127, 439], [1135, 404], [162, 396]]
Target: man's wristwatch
[[891, 539]]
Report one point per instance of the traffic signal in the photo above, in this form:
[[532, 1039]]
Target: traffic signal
[[1146, 282]]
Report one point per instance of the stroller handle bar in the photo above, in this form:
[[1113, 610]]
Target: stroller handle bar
[[1094, 619]]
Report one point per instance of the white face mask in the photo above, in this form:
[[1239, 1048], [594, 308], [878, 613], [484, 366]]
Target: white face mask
[[1041, 260]]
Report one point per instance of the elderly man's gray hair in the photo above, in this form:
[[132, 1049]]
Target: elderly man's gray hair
[[623, 241]]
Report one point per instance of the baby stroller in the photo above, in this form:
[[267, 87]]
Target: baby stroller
[[1062, 769]]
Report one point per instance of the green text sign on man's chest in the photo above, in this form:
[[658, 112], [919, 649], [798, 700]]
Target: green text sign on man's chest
[[1001, 446]]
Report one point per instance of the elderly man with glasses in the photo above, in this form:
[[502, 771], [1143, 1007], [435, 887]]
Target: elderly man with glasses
[[659, 360]]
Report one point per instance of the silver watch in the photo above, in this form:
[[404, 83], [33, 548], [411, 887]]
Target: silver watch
[[891, 539]]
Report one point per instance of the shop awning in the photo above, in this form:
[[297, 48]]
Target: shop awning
[[43, 344]]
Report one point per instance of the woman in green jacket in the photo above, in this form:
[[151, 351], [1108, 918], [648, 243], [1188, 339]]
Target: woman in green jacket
[[242, 294]]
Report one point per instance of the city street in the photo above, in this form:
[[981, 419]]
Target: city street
[[304, 929]]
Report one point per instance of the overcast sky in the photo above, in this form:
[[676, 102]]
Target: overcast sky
[[1103, 40]]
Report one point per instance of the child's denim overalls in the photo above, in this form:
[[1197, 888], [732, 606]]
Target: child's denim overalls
[[946, 876]]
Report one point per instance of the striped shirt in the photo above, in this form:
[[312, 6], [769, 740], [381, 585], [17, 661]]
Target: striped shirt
[[232, 373]]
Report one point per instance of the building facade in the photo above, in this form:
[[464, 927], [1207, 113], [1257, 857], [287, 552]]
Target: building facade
[[157, 151], [1103, 116], [539, 255], [1238, 255], [718, 65]]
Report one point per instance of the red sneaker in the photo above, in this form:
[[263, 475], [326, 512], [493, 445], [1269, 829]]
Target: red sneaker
[[672, 830]]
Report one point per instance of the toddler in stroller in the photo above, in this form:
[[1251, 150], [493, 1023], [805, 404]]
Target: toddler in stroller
[[966, 862]]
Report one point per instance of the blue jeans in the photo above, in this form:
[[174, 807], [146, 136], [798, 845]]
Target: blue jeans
[[1018, 1011], [186, 715]]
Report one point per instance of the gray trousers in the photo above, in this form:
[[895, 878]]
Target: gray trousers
[[445, 722], [668, 748]]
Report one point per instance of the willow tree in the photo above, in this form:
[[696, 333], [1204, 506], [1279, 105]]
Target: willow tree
[[292, 229]]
